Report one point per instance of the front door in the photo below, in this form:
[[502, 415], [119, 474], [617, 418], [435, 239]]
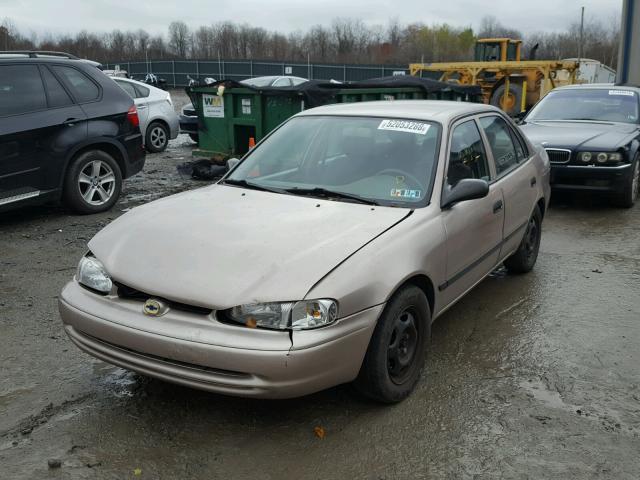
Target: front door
[[473, 228]]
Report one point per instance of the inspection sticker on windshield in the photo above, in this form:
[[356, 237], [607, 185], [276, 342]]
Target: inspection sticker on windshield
[[404, 126], [628, 93], [405, 193]]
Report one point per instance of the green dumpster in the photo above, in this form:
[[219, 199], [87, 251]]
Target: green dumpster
[[231, 116]]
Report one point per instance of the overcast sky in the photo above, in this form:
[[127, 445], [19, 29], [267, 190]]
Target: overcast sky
[[70, 16]]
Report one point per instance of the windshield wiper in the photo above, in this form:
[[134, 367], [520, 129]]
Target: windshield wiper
[[323, 192], [253, 186]]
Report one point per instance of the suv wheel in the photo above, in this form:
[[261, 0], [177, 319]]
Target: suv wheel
[[93, 182], [396, 353], [523, 260], [157, 137], [627, 198]]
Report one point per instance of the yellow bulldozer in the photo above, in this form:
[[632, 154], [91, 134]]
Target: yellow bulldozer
[[506, 80]]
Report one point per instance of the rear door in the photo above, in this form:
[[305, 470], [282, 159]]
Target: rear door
[[473, 228], [37, 125], [515, 175]]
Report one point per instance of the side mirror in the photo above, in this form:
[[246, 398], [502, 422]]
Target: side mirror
[[465, 189], [231, 163]]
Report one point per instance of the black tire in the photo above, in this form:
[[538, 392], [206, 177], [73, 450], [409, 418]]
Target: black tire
[[93, 182], [389, 374], [523, 260], [515, 90], [157, 137], [194, 137], [627, 198]]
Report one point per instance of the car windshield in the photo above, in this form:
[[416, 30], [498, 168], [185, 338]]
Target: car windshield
[[596, 104], [259, 81], [384, 161]]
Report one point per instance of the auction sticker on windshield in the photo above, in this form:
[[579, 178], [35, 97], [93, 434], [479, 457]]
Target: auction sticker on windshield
[[404, 126]]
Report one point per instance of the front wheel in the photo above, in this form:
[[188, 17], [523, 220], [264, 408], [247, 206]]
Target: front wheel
[[157, 137], [627, 198], [395, 357], [523, 260], [93, 182]]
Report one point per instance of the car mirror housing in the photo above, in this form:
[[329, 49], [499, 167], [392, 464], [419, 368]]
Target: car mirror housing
[[231, 163], [465, 189]]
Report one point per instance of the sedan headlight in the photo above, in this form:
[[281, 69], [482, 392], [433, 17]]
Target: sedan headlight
[[303, 315], [92, 274], [600, 157]]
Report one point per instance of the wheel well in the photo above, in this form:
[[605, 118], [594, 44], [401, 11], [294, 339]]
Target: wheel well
[[423, 283], [105, 147], [541, 205], [157, 120]]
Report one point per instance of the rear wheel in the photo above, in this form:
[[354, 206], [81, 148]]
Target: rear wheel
[[523, 260], [510, 103], [395, 357], [627, 198], [93, 182], [157, 137]]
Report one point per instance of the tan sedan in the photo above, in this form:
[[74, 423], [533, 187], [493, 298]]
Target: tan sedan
[[322, 257]]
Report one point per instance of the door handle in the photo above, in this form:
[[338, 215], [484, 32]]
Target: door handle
[[141, 107], [534, 181], [497, 206]]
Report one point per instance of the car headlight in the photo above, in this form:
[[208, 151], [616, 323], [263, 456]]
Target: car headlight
[[303, 315], [92, 274], [601, 157]]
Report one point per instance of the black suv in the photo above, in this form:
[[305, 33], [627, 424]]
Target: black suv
[[67, 131]]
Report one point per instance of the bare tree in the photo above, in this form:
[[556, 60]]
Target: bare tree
[[179, 38]]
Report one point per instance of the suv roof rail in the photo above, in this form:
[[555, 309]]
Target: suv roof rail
[[39, 53]]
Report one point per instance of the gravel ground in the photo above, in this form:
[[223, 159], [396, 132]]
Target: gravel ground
[[530, 377]]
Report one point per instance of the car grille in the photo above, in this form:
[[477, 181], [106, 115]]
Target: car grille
[[558, 155], [130, 293]]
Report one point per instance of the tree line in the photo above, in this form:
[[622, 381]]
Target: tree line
[[345, 40]]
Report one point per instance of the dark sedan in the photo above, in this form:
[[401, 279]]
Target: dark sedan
[[592, 136]]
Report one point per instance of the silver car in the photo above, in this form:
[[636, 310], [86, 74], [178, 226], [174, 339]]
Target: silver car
[[321, 258], [158, 121]]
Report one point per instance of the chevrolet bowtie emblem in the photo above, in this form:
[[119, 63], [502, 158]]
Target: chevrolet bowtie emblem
[[154, 308]]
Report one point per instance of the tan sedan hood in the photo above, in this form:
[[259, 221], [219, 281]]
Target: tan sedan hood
[[223, 246]]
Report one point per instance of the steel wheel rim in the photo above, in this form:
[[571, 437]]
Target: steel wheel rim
[[531, 238], [403, 346], [158, 137], [97, 182], [635, 185]]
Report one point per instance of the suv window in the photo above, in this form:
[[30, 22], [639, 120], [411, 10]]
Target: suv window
[[56, 94], [467, 157], [21, 89], [83, 89], [501, 143]]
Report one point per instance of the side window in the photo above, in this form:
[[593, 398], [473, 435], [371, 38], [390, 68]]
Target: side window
[[282, 82], [21, 89], [81, 86], [467, 157], [521, 147], [127, 87], [143, 92], [500, 142], [57, 96]]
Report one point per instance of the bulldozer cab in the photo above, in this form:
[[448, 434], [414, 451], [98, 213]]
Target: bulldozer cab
[[497, 50]]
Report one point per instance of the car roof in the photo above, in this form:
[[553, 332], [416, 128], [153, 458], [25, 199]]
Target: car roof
[[596, 86], [138, 82], [438, 110]]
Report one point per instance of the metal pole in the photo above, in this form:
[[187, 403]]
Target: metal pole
[[581, 36]]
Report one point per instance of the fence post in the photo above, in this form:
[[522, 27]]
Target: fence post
[[344, 73], [251, 68], [173, 71], [283, 69], [198, 69]]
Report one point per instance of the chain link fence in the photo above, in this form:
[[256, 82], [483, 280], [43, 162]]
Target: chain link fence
[[176, 72]]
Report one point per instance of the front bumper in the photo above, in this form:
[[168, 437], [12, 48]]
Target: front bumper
[[206, 354], [188, 124], [590, 178]]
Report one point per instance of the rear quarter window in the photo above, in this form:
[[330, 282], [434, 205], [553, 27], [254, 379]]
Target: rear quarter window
[[81, 86]]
